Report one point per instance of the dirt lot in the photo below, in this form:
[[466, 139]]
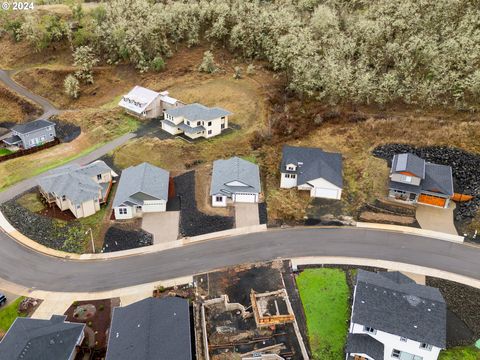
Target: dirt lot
[[14, 108]]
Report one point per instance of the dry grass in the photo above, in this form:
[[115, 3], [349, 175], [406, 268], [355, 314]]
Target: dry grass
[[203, 177], [14, 107]]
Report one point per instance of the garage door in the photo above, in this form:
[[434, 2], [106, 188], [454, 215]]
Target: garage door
[[431, 200], [326, 193], [245, 197]]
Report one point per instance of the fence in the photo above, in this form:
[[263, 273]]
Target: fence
[[32, 150]]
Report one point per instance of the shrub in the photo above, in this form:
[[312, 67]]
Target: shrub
[[157, 64], [71, 86], [208, 63], [237, 73]]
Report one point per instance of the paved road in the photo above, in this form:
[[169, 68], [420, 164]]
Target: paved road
[[48, 108], [31, 269]]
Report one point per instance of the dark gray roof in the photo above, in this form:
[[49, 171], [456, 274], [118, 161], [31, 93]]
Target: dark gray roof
[[234, 169], [35, 339], [75, 181], [410, 163], [142, 182], [194, 112], [365, 344], [404, 187], [32, 126], [316, 164], [189, 129], [438, 178], [151, 329], [392, 304], [12, 140]]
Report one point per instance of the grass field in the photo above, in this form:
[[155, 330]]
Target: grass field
[[460, 353], [324, 294], [8, 314]]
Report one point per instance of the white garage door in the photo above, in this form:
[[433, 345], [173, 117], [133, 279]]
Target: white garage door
[[245, 197], [326, 193]]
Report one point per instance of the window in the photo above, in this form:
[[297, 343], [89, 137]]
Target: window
[[223, 117], [188, 122], [369, 330], [209, 123], [406, 178], [209, 132], [426, 346], [198, 123], [122, 211], [219, 198], [99, 177], [78, 206], [293, 176], [222, 126], [396, 354], [64, 198], [139, 208], [403, 339]]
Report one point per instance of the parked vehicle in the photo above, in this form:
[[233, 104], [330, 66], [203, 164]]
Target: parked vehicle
[[3, 299]]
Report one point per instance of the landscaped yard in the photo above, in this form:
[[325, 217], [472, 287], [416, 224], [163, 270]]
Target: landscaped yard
[[324, 294], [460, 353], [8, 314], [4, 151]]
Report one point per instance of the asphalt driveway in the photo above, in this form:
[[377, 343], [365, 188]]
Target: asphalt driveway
[[163, 225], [436, 219], [246, 215]]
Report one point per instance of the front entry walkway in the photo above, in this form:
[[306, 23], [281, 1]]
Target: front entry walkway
[[162, 225], [436, 219], [246, 215]]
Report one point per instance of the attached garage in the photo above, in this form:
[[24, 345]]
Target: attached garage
[[245, 197], [326, 193], [432, 200]]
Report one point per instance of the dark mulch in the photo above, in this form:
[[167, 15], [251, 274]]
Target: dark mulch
[[119, 238], [262, 213], [100, 322], [66, 131], [465, 168], [192, 221], [464, 302], [53, 211]]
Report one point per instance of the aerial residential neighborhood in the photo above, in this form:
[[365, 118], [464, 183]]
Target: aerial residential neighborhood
[[240, 180]]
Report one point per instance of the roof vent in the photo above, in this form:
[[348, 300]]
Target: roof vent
[[413, 300]]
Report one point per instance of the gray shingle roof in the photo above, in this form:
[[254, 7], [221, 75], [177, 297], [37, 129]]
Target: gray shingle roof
[[316, 164], [234, 169], [74, 181], [393, 304], [410, 163], [194, 112], [142, 182], [32, 126], [438, 178], [404, 187], [365, 344], [151, 329], [12, 140], [35, 339]]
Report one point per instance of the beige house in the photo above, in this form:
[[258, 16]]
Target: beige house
[[144, 103], [80, 189]]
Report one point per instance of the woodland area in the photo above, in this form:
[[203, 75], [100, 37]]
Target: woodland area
[[420, 52]]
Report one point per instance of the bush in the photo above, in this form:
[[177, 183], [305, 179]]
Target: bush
[[237, 73], [157, 64], [71, 86], [208, 63]]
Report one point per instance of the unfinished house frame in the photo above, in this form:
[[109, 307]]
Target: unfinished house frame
[[271, 308]]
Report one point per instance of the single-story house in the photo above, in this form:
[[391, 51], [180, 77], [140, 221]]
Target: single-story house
[[312, 169], [413, 180], [80, 189], [31, 134], [395, 318], [234, 180], [141, 189], [151, 329], [147, 104], [31, 339], [195, 121]]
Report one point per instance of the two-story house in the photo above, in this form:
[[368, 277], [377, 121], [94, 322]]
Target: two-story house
[[141, 189], [80, 189], [31, 134], [147, 104], [395, 318], [413, 180], [313, 170], [195, 121]]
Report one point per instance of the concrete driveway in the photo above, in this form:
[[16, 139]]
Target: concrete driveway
[[246, 215], [163, 226], [436, 219]]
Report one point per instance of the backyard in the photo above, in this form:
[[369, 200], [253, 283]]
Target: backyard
[[8, 314], [324, 294], [460, 353]]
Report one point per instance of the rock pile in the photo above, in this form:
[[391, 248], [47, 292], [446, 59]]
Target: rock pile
[[118, 238], [465, 168]]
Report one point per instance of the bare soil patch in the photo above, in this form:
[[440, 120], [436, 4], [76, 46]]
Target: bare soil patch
[[15, 108]]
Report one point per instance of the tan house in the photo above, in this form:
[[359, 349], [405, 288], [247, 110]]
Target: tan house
[[144, 103], [80, 189]]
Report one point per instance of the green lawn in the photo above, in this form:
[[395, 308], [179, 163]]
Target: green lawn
[[8, 314], [4, 151], [31, 201], [460, 353], [324, 294]]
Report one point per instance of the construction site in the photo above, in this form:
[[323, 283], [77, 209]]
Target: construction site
[[245, 313]]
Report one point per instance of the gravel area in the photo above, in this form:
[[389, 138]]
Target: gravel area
[[120, 238], [47, 231], [192, 221], [153, 129], [465, 167], [464, 302], [65, 131]]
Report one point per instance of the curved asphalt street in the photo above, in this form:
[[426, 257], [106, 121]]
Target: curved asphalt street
[[26, 267]]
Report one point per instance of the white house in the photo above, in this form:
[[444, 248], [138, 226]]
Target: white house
[[195, 121], [147, 104], [313, 170], [80, 189], [141, 189], [234, 180], [395, 318]]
